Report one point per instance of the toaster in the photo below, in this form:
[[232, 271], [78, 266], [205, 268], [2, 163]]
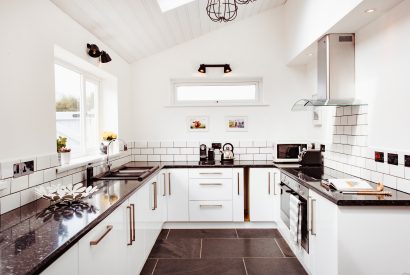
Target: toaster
[[311, 158]]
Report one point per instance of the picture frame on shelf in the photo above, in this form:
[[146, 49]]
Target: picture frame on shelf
[[198, 123], [236, 123]]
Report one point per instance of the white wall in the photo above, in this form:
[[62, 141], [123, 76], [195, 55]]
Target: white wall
[[308, 20], [382, 72], [254, 48], [29, 30]]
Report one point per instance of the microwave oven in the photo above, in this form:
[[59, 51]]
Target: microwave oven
[[288, 152]]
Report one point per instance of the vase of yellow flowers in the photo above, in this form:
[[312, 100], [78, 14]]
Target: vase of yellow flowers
[[106, 138]]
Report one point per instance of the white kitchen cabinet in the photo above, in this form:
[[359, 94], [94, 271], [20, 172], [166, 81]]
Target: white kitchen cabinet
[[322, 224], [154, 213], [137, 251], [264, 194], [238, 199], [177, 195], [210, 211], [67, 264], [103, 250]]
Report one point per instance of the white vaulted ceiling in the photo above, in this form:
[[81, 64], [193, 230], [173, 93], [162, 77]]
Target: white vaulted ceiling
[[137, 28]]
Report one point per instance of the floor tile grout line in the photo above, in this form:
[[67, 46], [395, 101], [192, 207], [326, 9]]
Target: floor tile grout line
[[280, 248], [169, 230], [155, 267], [244, 265], [237, 236], [213, 258]]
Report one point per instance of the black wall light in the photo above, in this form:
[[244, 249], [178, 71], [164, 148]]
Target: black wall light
[[95, 52], [202, 67]]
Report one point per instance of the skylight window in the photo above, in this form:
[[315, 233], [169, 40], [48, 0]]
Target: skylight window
[[167, 5]]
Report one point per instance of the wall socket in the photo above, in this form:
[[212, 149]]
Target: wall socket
[[393, 159], [379, 156], [407, 161], [23, 168]]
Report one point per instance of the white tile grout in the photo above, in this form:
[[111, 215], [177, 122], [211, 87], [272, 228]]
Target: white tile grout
[[279, 247], [155, 266], [200, 251]]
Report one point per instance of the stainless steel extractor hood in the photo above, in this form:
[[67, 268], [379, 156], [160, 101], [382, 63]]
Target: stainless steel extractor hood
[[336, 73]]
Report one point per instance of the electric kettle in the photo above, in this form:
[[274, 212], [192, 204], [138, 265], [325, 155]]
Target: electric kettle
[[227, 153]]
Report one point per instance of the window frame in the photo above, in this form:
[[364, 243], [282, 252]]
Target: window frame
[[175, 83], [85, 76]]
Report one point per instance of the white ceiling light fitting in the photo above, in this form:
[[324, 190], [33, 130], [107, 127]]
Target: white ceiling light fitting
[[370, 11]]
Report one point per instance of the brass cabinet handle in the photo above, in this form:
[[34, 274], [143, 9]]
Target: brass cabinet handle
[[210, 205], [269, 183], [238, 183], [109, 228], [210, 173], [130, 241], [169, 184], [210, 184], [133, 221], [165, 187]]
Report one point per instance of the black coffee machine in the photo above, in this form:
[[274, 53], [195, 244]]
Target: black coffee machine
[[202, 153]]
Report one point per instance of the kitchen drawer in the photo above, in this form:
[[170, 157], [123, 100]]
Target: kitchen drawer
[[210, 211], [210, 189], [210, 173]]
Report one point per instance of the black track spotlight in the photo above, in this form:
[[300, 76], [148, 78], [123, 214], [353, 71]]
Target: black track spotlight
[[227, 68], [202, 68], [93, 50], [105, 57]]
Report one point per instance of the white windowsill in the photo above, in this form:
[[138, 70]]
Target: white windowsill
[[84, 161]]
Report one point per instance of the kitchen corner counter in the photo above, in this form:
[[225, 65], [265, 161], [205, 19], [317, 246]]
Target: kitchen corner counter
[[398, 198], [36, 234]]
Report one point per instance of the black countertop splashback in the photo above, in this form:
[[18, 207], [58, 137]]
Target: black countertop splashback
[[35, 235]]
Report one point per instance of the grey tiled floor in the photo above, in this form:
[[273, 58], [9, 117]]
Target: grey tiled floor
[[221, 252]]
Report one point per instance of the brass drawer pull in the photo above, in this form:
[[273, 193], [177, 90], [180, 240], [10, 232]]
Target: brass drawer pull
[[210, 173], [109, 228], [238, 183], [269, 183], [169, 184], [165, 187]]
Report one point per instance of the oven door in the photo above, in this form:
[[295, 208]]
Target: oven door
[[285, 194]]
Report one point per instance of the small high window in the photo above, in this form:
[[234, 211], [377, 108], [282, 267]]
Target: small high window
[[216, 93]]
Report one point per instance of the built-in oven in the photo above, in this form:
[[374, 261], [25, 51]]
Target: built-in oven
[[290, 187]]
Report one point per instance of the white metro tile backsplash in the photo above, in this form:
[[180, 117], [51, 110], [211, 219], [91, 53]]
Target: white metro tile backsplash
[[189, 150], [349, 151]]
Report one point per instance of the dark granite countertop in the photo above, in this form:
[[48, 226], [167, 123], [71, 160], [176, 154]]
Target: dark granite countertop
[[398, 198], [35, 235]]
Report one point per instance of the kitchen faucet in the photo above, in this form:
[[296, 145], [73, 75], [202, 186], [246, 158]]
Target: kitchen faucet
[[108, 151]]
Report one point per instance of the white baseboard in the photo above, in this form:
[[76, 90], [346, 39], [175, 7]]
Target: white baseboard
[[220, 225]]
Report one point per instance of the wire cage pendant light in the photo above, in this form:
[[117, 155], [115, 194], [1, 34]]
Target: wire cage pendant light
[[222, 10], [242, 2]]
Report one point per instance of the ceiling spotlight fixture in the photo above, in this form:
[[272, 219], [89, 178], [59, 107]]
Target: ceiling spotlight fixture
[[202, 67], [95, 52], [222, 10], [370, 11]]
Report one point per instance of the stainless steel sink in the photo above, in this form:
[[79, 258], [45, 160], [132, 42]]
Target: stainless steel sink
[[129, 173]]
